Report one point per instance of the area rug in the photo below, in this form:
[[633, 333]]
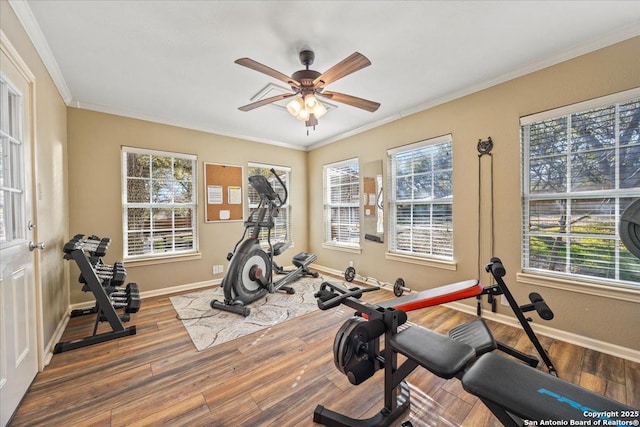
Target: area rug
[[208, 327]]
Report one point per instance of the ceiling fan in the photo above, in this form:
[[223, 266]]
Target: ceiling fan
[[307, 84]]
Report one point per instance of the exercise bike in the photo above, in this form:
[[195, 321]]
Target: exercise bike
[[250, 273]]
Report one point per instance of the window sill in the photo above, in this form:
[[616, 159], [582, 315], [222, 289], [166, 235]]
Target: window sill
[[350, 249], [431, 262], [162, 260], [612, 292]]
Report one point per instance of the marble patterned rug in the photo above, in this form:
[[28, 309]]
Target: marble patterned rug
[[208, 327]]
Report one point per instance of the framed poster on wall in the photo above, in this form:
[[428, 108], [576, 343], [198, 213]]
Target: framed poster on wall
[[223, 192]]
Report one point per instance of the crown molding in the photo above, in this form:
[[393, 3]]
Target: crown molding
[[178, 123], [29, 23], [589, 46]]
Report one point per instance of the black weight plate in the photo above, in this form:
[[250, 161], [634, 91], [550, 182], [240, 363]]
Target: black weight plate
[[337, 343], [350, 274], [398, 287], [345, 346], [630, 228]]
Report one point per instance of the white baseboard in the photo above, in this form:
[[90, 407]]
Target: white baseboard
[[156, 293], [55, 338], [558, 334], [180, 288]]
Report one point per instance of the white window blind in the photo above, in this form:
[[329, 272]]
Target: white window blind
[[342, 203], [421, 199], [159, 203], [581, 169], [282, 229]]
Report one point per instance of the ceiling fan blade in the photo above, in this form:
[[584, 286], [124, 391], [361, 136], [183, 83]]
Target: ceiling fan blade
[[250, 63], [356, 61], [350, 100], [265, 101]]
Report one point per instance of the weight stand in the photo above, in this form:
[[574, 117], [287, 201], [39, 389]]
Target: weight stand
[[103, 308]]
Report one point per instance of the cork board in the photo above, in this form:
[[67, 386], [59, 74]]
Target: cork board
[[369, 196], [223, 192]]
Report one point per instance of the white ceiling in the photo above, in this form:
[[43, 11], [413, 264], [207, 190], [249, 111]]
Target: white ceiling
[[173, 61]]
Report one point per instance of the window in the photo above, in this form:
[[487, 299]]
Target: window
[[159, 203], [12, 195], [581, 169], [421, 199], [342, 203], [281, 230]]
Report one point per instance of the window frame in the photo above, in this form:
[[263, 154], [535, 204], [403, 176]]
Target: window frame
[[446, 142], [286, 207], [13, 202], [354, 217], [572, 196], [193, 205]]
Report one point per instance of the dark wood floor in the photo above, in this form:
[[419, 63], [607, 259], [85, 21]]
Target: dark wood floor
[[274, 377]]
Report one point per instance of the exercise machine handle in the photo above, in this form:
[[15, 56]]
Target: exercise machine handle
[[496, 268], [286, 193]]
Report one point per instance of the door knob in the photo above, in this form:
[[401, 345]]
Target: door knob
[[33, 246]]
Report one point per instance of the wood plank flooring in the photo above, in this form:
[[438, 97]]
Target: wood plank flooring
[[274, 377]]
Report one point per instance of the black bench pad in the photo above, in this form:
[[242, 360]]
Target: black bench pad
[[532, 394], [476, 334], [438, 353]]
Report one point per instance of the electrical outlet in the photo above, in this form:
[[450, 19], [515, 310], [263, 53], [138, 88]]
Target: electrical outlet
[[350, 263], [218, 269], [503, 300]]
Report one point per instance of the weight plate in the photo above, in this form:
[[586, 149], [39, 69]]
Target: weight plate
[[345, 347], [630, 228], [350, 274], [398, 287]]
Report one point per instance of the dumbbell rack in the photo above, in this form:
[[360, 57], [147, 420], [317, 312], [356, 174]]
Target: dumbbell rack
[[83, 251]]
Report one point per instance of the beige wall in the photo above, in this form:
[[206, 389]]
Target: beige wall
[[492, 112], [51, 176], [95, 183], [81, 149]]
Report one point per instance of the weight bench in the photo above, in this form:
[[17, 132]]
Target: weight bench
[[473, 288], [515, 393], [512, 391]]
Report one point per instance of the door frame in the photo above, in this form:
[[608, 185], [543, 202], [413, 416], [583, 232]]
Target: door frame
[[12, 53]]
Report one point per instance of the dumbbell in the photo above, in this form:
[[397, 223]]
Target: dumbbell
[[96, 246], [73, 244], [131, 303], [116, 274], [131, 288]]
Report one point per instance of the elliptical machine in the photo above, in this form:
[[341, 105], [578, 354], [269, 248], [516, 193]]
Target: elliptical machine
[[249, 276]]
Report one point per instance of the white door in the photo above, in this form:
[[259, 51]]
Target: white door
[[18, 329]]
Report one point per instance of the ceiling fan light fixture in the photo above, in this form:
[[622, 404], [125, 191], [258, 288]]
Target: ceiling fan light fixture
[[303, 115], [319, 110], [310, 101], [305, 84], [295, 106]]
